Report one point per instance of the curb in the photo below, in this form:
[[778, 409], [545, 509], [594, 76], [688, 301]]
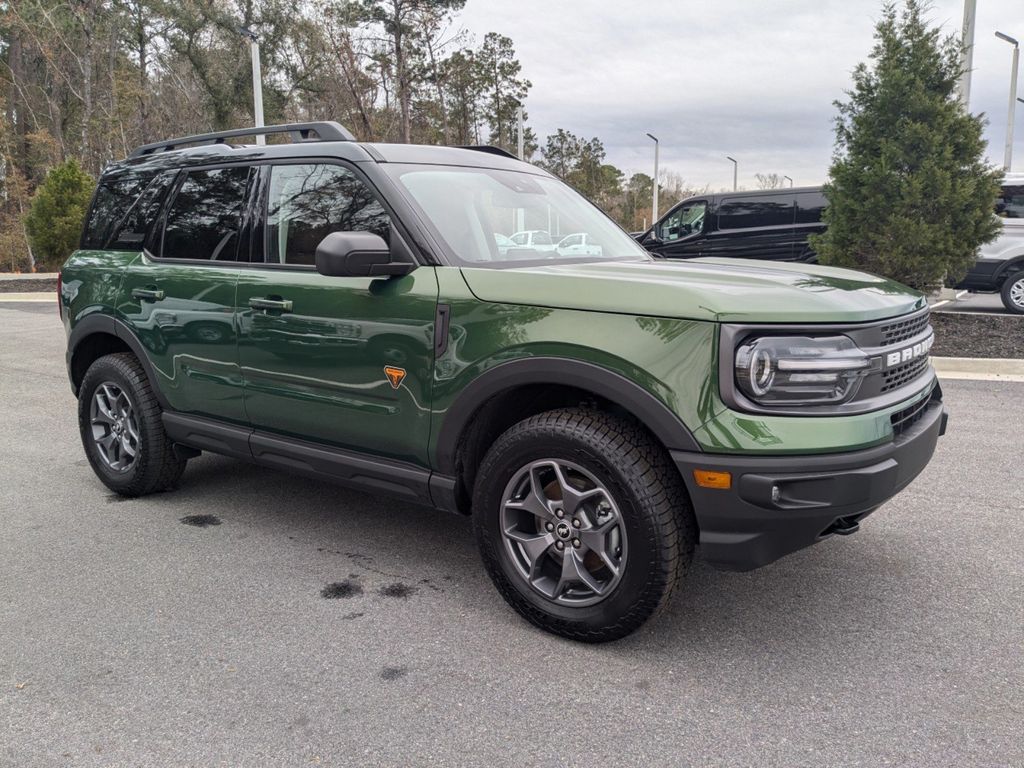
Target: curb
[[24, 298], [979, 368]]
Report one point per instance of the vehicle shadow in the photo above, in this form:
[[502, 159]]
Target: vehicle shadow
[[844, 594]]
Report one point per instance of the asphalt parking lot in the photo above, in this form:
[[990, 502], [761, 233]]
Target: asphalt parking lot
[[985, 303], [128, 638]]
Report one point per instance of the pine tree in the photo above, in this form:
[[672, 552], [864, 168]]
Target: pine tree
[[55, 220], [910, 194]]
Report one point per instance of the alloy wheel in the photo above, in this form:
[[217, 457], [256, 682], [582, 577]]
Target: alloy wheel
[[115, 429], [564, 532]]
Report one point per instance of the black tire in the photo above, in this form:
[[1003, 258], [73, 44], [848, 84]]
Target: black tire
[[1014, 283], [645, 486], [156, 467]]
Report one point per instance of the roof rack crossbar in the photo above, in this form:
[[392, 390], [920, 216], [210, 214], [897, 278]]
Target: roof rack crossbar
[[321, 131]]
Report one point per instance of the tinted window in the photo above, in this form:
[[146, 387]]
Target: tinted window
[[744, 213], [809, 207], [1010, 203], [308, 202], [112, 201], [135, 228], [205, 216]]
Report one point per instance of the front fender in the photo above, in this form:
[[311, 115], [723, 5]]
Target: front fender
[[661, 370]]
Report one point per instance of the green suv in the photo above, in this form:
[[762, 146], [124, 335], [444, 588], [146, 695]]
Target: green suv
[[362, 313]]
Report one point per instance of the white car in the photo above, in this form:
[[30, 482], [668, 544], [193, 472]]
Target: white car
[[535, 239], [503, 242], [578, 244]]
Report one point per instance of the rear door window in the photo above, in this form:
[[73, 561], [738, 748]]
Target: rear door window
[[205, 217], [750, 212]]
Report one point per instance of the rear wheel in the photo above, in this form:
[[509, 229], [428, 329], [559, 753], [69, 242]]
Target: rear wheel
[[1013, 292], [122, 433], [583, 523]]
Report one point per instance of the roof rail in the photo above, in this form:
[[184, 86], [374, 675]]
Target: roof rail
[[490, 150], [322, 131]]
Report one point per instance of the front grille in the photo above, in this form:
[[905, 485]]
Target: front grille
[[903, 330], [896, 377]]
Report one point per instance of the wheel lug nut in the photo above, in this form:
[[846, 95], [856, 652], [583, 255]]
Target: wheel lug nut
[[559, 545], [575, 522], [559, 513], [576, 543], [550, 526]]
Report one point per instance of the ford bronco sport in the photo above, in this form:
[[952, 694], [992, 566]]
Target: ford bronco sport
[[343, 310]]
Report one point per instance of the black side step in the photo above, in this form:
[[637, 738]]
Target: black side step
[[325, 462]]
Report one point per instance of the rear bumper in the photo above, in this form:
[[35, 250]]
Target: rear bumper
[[747, 525]]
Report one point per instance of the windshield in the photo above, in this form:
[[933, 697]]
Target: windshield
[[486, 216]]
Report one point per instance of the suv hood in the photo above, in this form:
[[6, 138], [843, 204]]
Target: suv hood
[[721, 290]]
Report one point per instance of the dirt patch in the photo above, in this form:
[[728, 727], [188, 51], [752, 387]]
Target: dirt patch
[[972, 334], [29, 284]]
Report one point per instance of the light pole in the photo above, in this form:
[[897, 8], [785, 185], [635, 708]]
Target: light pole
[[1008, 155], [257, 80], [735, 169], [790, 181], [967, 41], [654, 202]]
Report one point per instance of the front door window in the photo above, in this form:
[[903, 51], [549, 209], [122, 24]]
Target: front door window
[[684, 221], [309, 202]]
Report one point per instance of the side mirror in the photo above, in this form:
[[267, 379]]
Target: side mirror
[[650, 238], [358, 254]]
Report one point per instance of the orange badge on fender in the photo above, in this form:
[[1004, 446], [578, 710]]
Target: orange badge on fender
[[395, 375]]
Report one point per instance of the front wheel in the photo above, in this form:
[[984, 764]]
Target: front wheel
[[1013, 293], [121, 429], [583, 523]]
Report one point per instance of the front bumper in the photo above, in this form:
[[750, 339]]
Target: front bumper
[[779, 504]]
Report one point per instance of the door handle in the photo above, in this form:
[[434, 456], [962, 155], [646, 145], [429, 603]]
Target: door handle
[[273, 305], [147, 294]]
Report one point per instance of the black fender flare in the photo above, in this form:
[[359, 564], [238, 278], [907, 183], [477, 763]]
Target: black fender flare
[[644, 406], [91, 325], [1010, 267]]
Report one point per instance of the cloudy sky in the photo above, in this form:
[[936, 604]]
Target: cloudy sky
[[754, 79]]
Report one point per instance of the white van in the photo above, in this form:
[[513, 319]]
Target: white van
[[1000, 264]]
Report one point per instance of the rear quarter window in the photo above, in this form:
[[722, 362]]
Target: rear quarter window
[[750, 212], [809, 207], [112, 201]]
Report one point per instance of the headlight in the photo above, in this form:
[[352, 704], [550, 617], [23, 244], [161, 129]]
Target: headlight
[[800, 370]]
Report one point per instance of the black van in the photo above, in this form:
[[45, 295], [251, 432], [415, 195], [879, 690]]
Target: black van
[[766, 224]]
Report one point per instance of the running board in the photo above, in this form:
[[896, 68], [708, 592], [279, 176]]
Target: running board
[[324, 462]]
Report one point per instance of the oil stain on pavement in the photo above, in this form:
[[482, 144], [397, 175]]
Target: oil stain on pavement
[[398, 589], [339, 589], [201, 521], [393, 673]]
